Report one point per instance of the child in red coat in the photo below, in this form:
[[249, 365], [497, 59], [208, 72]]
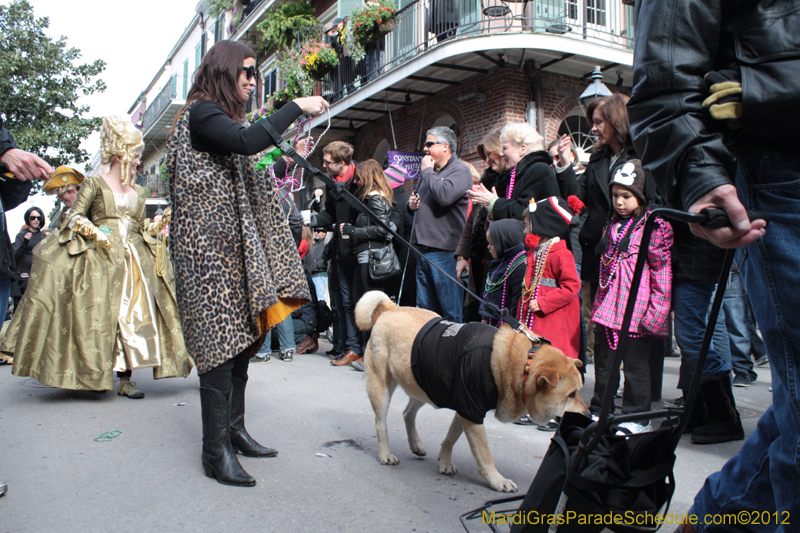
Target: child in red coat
[[549, 305]]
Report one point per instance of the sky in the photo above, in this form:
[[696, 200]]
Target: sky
[[134, 39]]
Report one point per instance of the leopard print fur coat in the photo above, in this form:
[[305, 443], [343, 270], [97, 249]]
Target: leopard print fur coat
[[237, 270]]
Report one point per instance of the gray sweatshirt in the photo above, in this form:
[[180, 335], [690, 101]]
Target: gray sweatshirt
[[442, 211]]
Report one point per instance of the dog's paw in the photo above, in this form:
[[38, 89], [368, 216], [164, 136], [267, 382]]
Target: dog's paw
[[389, 460], [418, 449], [504, 485], [448, 469]]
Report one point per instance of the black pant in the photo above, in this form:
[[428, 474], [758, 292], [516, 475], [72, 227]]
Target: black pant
[[367, 283], [636, 361], [219, 378], [337, 306]]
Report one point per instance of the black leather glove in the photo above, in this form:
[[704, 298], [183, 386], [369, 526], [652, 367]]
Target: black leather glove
[[347, 231], [725, 100]]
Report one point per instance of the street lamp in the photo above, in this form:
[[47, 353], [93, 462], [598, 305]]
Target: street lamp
[[596, 90]]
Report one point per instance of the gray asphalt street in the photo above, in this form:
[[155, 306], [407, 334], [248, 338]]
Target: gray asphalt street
[[327, 477]]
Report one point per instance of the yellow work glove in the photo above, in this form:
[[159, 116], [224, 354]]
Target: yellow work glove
[[725, 99]]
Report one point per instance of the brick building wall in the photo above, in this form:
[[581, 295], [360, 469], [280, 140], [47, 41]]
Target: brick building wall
[[477, 106]]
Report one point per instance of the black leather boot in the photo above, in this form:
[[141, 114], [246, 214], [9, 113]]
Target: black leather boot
[[241, 441], [219, 459], [699, 415], [723, 422]]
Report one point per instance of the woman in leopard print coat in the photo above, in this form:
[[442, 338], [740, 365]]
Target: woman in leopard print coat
[[237, 270]]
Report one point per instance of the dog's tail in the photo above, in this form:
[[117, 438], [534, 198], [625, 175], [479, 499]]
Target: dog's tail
[[370, 307]]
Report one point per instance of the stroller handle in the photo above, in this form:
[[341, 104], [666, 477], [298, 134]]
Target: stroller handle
[[708, 217]]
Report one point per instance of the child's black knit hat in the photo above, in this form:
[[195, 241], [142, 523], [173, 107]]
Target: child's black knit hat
[[632, 176]]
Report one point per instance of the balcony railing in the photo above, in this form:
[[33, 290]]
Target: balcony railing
[[164, 98], [248, 10], [155, 185], [420, 28]]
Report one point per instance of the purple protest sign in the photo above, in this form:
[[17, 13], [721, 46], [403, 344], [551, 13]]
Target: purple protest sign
[[410, 161]]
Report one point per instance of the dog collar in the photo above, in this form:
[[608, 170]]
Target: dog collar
[[538, 342]]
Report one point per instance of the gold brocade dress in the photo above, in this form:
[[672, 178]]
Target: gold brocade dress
[[89, 312]]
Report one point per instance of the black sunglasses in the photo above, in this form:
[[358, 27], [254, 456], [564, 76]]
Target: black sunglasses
[[250, 71], [431, 143], [35, 218]]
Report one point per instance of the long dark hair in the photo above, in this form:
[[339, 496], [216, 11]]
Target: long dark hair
[[615, 112], [217, 77]]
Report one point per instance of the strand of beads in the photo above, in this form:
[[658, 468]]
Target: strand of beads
[[288, 179], [532, 290], [296, 181], [610, 259], [511, 183], [491, 285], [311, 145], [612, 336]]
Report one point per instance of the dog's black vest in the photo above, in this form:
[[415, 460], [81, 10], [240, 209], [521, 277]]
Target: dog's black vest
[[452, 364]]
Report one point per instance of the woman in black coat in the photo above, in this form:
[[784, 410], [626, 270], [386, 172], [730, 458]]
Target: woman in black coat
[[376, 194], [610, 124], [24, 244], [531, 175]]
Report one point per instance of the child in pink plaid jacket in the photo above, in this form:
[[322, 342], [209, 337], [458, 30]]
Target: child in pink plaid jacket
[[631, 193]]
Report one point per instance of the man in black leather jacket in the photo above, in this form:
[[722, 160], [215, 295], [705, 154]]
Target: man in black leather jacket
[[716, 102], [17, 169]]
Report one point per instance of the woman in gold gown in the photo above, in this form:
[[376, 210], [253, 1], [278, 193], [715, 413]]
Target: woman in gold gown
[[99, 300]]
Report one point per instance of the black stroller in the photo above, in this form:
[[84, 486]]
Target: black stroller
[[592, 478]]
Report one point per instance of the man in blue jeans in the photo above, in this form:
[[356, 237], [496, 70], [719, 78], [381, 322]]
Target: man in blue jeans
[[441, 202], [696, 265], [25, 167], [744, 339], [716, 102]]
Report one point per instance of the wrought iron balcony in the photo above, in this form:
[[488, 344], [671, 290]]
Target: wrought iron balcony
[[249, 9], [155, 185], [159, 115], [420, 28]]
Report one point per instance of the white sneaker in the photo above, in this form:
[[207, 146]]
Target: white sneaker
[[632, 428]]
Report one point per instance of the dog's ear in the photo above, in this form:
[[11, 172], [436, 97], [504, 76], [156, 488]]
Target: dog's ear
[[549, 376], [578, 362]]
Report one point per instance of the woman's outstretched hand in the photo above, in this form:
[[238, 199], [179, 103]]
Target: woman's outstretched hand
[[312, 105]]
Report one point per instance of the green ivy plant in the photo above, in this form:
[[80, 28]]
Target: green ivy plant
[[281, 27], [216, 7]]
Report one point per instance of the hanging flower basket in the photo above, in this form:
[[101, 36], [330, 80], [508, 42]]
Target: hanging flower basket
[[276, 101], [368, 24], [387, 27], [318, 59]]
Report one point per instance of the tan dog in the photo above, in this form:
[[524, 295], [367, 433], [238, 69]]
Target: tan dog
[[553, 384]]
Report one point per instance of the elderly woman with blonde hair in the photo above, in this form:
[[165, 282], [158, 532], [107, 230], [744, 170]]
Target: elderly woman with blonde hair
[[531, 175]]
